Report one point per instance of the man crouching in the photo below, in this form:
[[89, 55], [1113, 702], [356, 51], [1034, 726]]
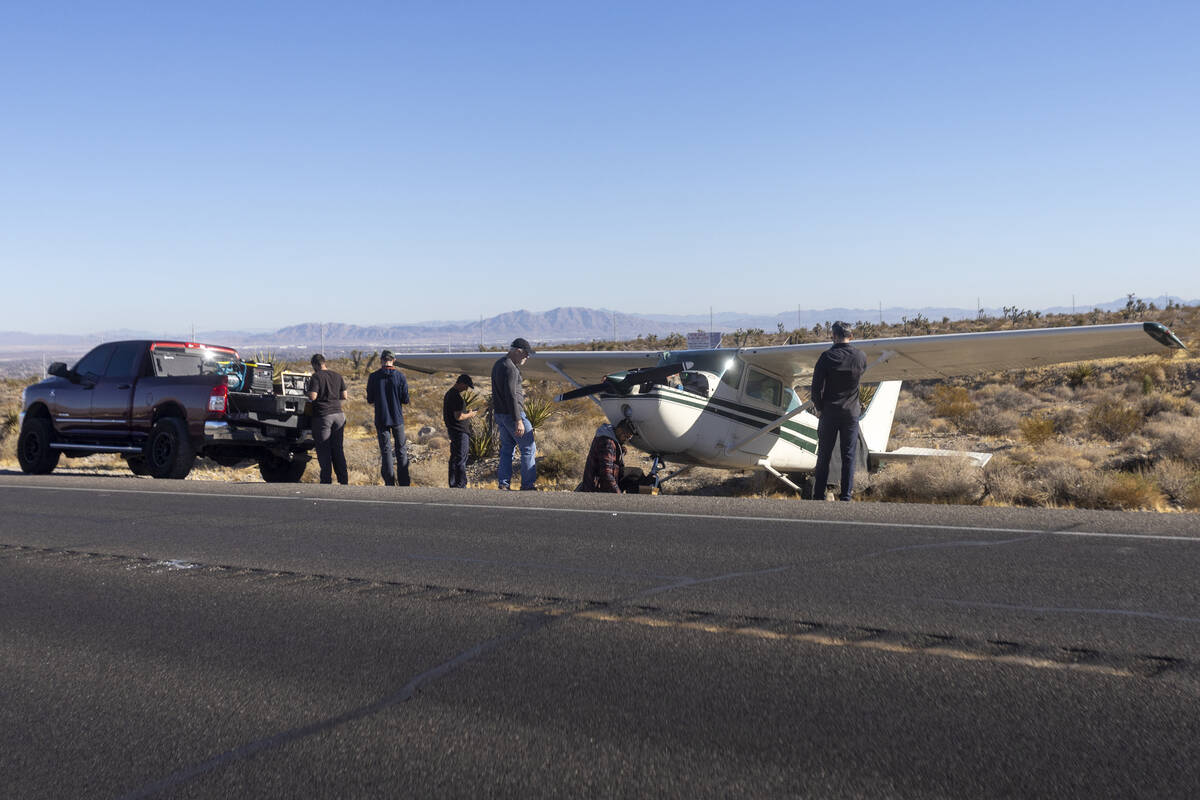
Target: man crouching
[[605, 468]]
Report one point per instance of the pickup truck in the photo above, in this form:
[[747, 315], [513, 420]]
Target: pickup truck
[[160, 405]]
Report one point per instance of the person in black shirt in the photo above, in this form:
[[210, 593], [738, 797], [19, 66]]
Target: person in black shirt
[[455, 415], [835, 397], [326, 391]]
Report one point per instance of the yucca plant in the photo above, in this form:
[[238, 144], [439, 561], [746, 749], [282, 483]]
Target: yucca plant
[[9, 422], [485, 440], [539, 410]]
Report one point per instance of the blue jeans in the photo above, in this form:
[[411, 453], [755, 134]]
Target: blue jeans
[[841, 426], [460, 448], [392, 443], [508, 440]]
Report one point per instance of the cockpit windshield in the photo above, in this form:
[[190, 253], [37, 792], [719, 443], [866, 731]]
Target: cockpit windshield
[[723, 363]]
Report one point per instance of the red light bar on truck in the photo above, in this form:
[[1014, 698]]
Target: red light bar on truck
[[196, 346]]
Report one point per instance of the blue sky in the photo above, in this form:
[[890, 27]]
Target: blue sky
[[263, 164]]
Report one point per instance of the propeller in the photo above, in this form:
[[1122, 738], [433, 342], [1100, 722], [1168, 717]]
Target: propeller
[[626, 384]]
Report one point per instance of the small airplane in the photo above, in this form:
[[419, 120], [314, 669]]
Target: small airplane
[[741, 408]]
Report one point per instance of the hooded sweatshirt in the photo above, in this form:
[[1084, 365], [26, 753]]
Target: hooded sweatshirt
[[835, 378]]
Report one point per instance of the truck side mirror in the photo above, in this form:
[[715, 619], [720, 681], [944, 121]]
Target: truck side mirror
[[59, 370]]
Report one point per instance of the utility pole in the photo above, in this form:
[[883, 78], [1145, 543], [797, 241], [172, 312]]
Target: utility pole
[[880, 313], [481, 333]]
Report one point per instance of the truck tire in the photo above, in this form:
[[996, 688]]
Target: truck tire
[[169, 452], [137, 465], [279, 470], [33, 447]]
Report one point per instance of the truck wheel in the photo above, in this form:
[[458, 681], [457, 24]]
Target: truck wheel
[[33, 447], [169, 452], [137, 465], [279, 470]]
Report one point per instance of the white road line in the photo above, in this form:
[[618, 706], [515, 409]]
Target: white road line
[[611, 513]]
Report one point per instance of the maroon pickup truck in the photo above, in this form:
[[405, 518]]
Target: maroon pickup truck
[[162, 404]]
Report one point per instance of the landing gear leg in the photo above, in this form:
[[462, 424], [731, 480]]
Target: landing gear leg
[[656, 465], [767, 466]]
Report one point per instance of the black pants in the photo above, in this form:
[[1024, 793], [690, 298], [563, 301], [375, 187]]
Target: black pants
[[460, 448], [328, 432], [842, 426]]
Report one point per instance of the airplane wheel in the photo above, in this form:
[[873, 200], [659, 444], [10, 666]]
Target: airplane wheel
[[34, 453]]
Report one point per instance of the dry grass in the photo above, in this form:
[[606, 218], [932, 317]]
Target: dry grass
[[1037, 429], [938, 480]]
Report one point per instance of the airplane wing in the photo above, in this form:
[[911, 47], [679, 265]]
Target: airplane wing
[[588, 366], [924, 357]]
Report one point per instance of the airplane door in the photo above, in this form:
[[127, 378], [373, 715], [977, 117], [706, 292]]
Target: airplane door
[[112, 396], [73, 403]]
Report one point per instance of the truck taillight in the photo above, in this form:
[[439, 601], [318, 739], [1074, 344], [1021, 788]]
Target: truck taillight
[[218, 400]]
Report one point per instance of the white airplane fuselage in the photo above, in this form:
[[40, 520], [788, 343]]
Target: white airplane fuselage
[[717, 427]]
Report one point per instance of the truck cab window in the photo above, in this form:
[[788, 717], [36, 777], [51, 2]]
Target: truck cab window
[[126, 360], [93, 364]]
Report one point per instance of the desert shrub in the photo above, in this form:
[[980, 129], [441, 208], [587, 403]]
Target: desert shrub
[[1037, 429], [912, 414], [1175, 436], [1080, 374], [561, 466], [1004, 397], [1158, 403], [1177, 480], [991, 423], [1002, 482], [1114, 419], [1128, 491], [1066, 419], [952, 402], [935, 480]]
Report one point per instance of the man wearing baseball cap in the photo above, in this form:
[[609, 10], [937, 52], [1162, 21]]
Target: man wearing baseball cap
[[455, 415], [387, 390], [508, 405], [835, 397]]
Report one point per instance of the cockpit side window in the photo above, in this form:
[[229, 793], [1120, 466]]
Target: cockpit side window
[[764, 387]]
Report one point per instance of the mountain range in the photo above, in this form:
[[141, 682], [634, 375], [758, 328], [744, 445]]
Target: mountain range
[[558, 325]]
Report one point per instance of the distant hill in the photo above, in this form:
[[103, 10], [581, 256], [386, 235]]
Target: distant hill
[[558, 325]]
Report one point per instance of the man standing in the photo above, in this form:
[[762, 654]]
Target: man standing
[[326, 391], [835, 397], [605, 466], [508, 405], [455, 415], [387, 390]]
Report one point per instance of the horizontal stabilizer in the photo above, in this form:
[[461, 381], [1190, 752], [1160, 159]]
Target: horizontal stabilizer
[[907, 455]]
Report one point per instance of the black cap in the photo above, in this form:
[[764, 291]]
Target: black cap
[[386, 355], [522, 344], [465, 378]]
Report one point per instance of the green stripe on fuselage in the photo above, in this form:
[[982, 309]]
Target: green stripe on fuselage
[[791, 430]]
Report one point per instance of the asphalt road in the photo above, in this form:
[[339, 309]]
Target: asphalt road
[[189, 639]]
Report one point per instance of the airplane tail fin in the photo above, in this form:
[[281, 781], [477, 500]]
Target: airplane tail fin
[[875, 425]]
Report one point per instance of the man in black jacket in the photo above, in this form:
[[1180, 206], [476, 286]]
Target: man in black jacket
[[387, 390], [835, 397]]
